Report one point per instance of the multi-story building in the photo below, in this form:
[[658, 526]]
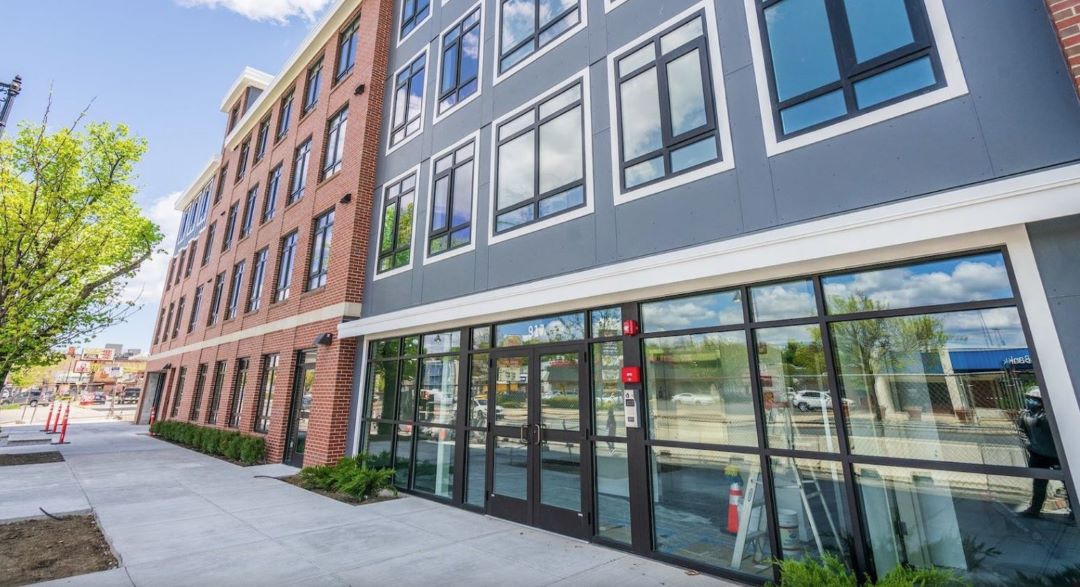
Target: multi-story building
[[718, 281], [271, 253]]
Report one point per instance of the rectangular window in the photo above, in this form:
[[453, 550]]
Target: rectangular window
[[222, 176], [178, 393], [395, 244], [215, 392], [208, 248], [172, 270], [236, 405], [286, 261], [248, 219], [540, 161], [312, 87], [285, 115], [321, 238], [160, 326], [196, 397], [541, 330], [452, 200], [273, 186], [408, 111], [196, 304], [215, 299], [299, 172], [266, 393], [526, 26], [413, 12], [834, 59], [667, 122], [180, 266], [346, 57], [459, 70], [262, 138], [242, 162], [334, 152], [179, 317], [192, 250], [230, 227], [258, 275], [237, 284]]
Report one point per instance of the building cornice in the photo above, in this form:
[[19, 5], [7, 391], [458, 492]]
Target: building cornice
[[250, 77], [208, 173]]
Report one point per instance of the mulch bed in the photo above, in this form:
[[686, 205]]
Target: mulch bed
[[46, 549], [295, 480], [30, 458]]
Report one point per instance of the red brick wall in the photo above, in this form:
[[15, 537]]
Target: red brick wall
[[1066, 17], [334, 365]]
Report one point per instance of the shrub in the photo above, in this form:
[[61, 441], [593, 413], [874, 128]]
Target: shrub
[[234, 446], [904, 576], [831, 571], [354, 477]]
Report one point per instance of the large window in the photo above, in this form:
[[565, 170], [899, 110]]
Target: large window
[[215, 392], [262, 137], [179, 316], [233, 306], [408, 110], [395, 243], [250, 204], [215, 299], [197, 393], [258, 276], [527, 26], [322, 236], [236, 404], [208, 247], [346, 56], [178, 392], [299, 172], [196, 303], [267, 378], [453, 195], [667, 115], [242, 162], [273, 186], [312, 87], [286, 260], [833, 59], [230, 226], [413, 13], [540, 161], [459, 72], [285, 114], [334, 152]]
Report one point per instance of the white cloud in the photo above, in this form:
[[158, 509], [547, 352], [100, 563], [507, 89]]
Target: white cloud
[[148, 283], [279, 11]]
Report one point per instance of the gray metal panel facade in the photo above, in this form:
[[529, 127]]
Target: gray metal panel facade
[[1021, 113], [1056, 244]]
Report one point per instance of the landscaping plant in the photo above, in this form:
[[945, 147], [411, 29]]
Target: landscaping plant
[[247, 450], [831, 571], [354, 477]]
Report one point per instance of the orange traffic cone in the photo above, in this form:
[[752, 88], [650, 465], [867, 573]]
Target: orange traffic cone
[[734, 497]]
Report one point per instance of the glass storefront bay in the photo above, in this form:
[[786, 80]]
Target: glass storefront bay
[[890, 416]]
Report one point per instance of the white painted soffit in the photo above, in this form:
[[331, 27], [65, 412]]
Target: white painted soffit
[[995, 204]]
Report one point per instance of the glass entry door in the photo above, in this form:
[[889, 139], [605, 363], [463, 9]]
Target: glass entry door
[[303, 386], [537, 414]]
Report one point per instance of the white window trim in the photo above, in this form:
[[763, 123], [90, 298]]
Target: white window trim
[[393, 98], [723, 125], [610, 5], [955, 85], [437, 116], [430, 199], [498, 77], [401, 17], [590, 191], [376, 276]]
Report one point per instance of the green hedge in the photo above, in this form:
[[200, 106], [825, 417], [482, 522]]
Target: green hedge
[[358, 477], [247, 450]]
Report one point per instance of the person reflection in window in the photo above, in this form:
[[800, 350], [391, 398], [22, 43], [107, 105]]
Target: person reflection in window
[[1039, 442]]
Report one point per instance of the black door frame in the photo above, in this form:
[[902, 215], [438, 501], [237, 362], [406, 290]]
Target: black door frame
[[531, 511], [296, 406]]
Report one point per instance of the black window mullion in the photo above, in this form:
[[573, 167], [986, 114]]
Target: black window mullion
[[844, 49]]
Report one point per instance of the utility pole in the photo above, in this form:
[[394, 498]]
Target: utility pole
[[7, 96]]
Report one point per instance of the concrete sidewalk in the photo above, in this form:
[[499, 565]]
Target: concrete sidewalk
[[176, 517]]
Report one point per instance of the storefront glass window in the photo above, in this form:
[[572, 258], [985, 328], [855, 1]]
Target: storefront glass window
[[612, 491], [609, 410], [811, 508], [541, 330], [476, 453], [444, 342], [434, 472], [606, 322], [560, 475], [795, 391], [438, 390], [781, 301], [407, 390], [379, 443], [718, 309], [382, 385], [403, 454], [698, 389]]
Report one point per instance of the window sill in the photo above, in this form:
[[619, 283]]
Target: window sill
[[344, 76]]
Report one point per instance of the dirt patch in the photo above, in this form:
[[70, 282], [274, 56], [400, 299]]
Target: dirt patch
[[42, 550], [295, 480], [31, 458]]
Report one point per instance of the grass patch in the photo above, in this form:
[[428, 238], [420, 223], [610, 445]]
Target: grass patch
[[47, 549]]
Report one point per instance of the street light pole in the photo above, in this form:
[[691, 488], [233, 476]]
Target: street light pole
[[7, 94]]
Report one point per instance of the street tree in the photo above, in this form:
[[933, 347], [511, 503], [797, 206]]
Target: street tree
[[71, 237]]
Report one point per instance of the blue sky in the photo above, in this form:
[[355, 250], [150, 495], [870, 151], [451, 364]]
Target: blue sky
[[160, 66]]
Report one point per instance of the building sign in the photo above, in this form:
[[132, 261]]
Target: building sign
[[99, 354], [82, 367]]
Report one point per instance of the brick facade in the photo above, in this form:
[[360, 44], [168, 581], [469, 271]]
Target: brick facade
[[1066, 17], [360, 90]]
